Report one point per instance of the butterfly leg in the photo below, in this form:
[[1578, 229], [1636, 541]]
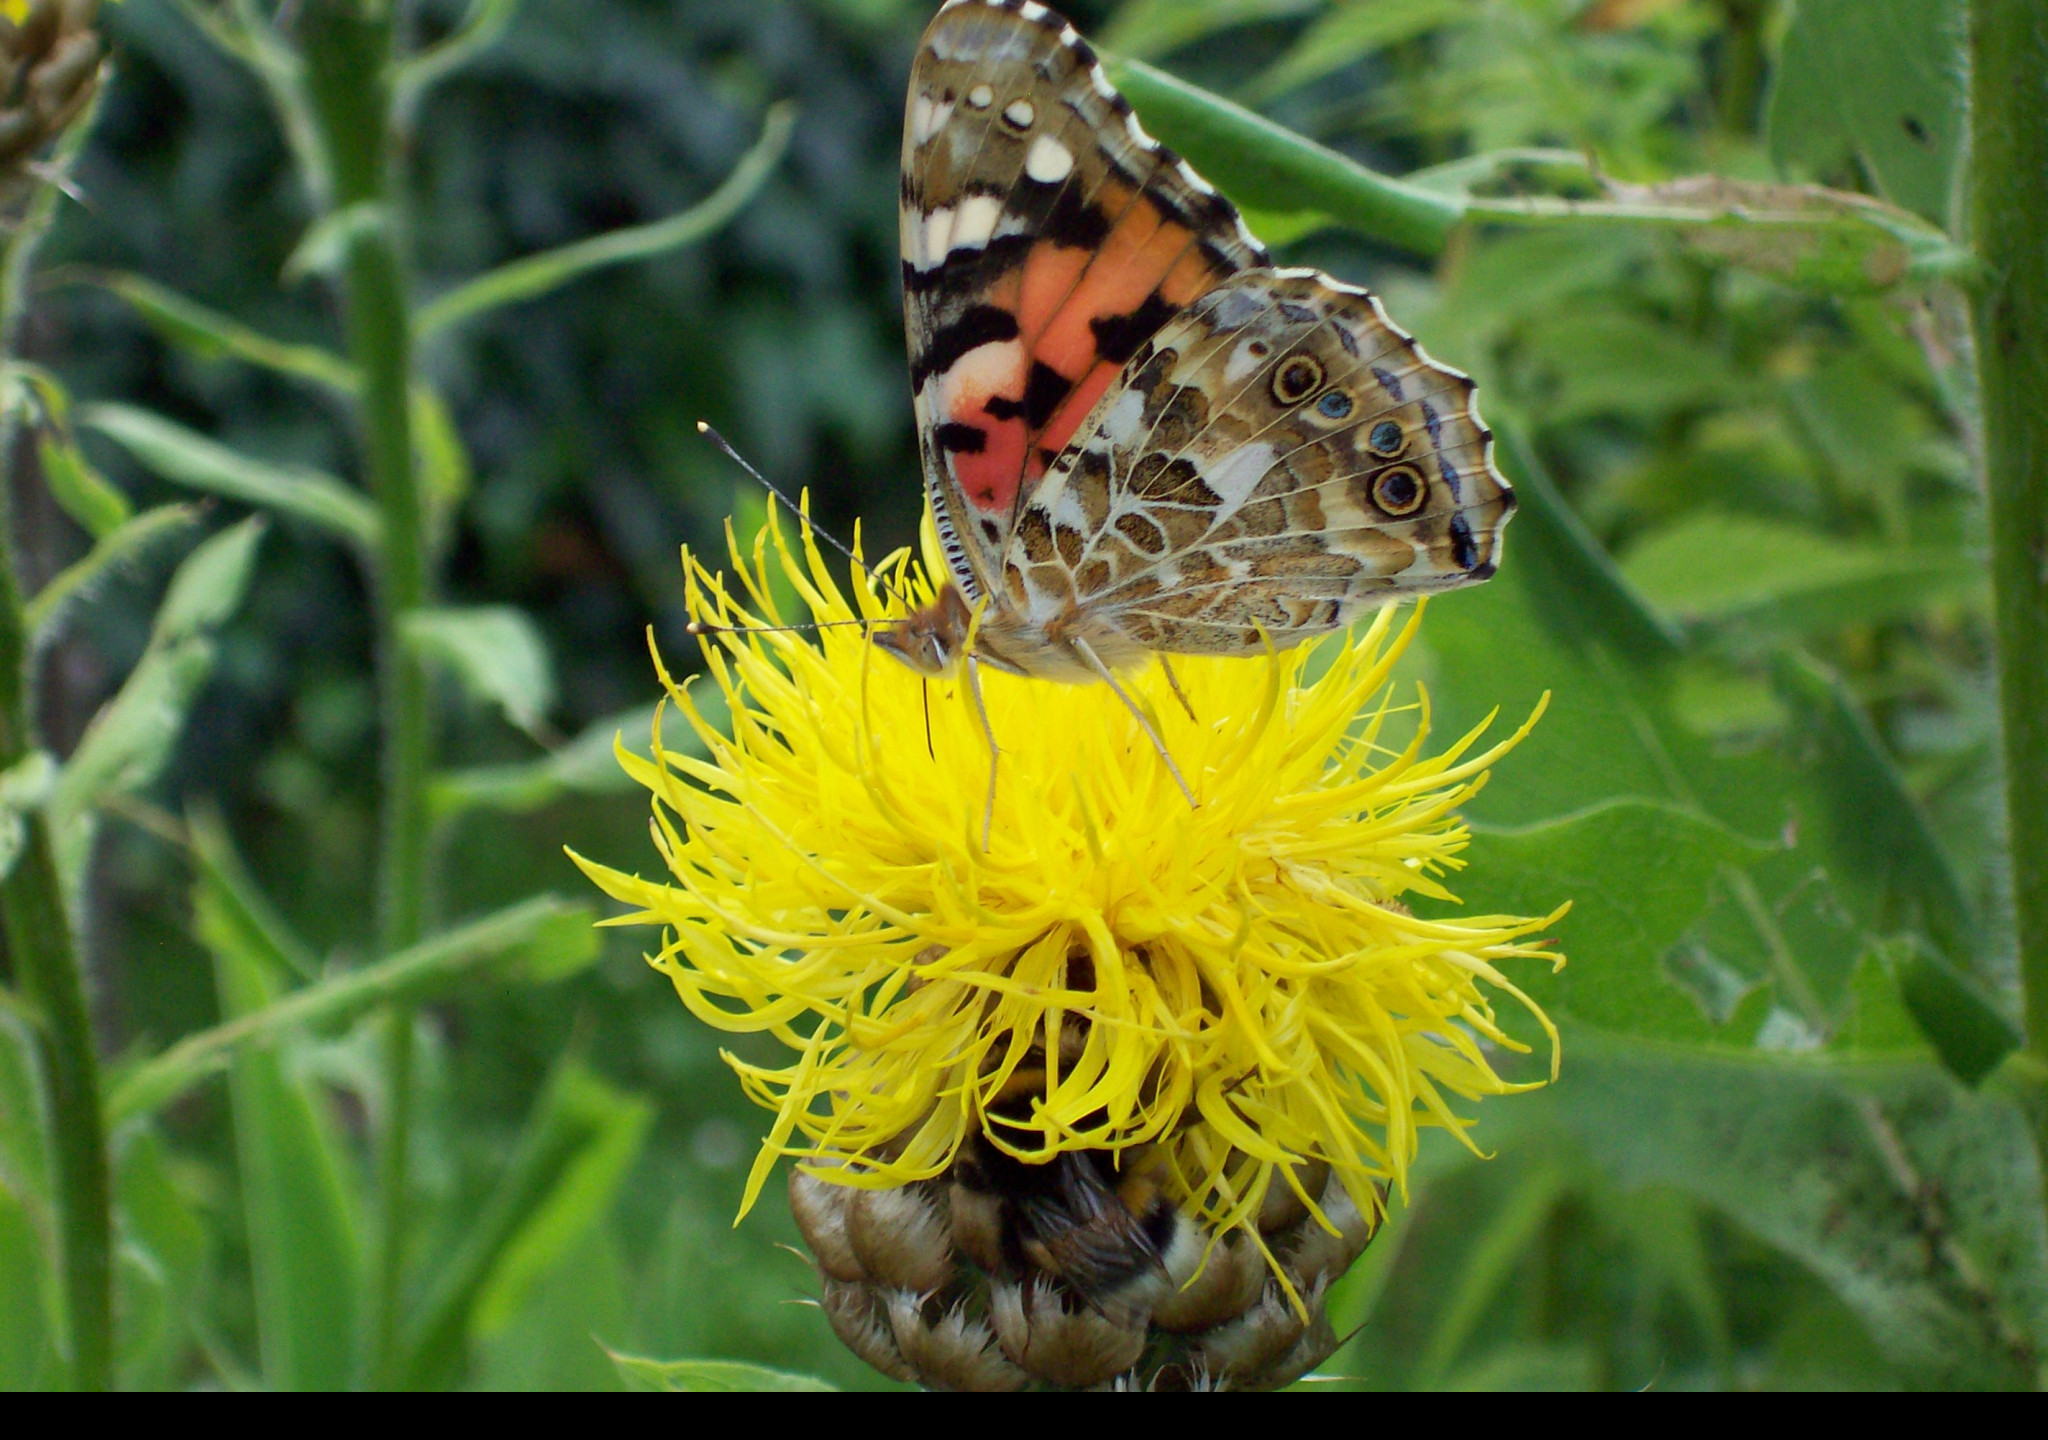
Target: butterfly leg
[[1094, 662], [995, 751], [1178, 693]]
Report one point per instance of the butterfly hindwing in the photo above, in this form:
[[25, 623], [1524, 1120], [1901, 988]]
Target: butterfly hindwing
[[1273, 462], [1045, 239]]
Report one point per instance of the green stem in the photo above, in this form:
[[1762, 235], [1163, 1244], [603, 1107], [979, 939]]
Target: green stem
[[33, 916], [346, 49], [1269, 166], [2009, 217]]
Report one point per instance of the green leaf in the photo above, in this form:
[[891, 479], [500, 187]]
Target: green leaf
[[536, 941], [304, 1255], [22, 381], [1151, 28], [80, 491], [613, 1126], [1915, 1201], [161, 1266], [1281, 228], [132, 737], [1560, 619], [325, 246], [1346, 34], [1966, 1029], [587, 765], [188, 458], [25, 787], [480, 27], [266, 933], [709, 1376], [1892, 869], [1637, 874], [1611, 363], [29, 1357], [1489, 1262], [1271, 168], [496, 652], [31, 1318], [209, 586], [445, 474], [1770, 576], [207, 333], [126, 546], [538, 274], [1880, 1023], [1879, 82], [1538, 1368], [580, 1141]]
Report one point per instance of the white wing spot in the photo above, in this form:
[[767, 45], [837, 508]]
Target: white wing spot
[[1049, 161], [1233, 476], [1244, 360], [928, 119], [983, 371], [910, 237], [1069, 36], [1200, 186], [976, 222], [981, 97], [1021, 113], [1137, 133], [937, 238], [1244, 233], [1033, 11], [1101, 83], [1123, 420]]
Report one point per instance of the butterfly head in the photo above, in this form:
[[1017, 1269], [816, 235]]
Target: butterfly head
[[934, 640]]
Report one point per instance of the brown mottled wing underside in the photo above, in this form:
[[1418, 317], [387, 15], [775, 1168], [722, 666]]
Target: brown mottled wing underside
[[1045, 238], [1272, 463]]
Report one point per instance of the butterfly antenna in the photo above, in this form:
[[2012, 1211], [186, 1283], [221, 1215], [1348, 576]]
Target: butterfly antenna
[[704, 429], [705, 627], [929, 749]]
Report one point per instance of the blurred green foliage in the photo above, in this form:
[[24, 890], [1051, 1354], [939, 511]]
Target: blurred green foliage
[[1749, 572]]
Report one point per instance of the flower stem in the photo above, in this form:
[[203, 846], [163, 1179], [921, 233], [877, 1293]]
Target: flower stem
[[347, 49], [2009, 217], [33, 917]]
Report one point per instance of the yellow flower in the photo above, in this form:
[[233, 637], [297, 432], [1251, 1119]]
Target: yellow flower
[[1238, 983]]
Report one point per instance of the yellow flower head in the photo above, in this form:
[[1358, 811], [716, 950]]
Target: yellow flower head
[[1236, 987]]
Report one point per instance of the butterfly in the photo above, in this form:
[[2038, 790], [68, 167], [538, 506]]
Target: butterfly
[[1139, 437]]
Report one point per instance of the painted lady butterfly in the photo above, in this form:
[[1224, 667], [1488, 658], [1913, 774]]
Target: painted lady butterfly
[[1138, 436]]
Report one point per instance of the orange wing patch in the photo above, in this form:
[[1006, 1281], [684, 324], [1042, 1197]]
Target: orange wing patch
[[1016, 402]]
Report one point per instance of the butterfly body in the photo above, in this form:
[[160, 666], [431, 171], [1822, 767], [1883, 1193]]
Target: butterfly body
[[1138, 436]]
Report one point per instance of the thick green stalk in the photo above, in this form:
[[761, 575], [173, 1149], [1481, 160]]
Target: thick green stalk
[[347, 50], [40, 945], [2009, 223]]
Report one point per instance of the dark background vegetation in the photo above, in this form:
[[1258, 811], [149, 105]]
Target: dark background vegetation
[[1783, 474]]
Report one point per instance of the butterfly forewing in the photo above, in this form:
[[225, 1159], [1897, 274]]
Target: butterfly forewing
[[1045, 239]]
